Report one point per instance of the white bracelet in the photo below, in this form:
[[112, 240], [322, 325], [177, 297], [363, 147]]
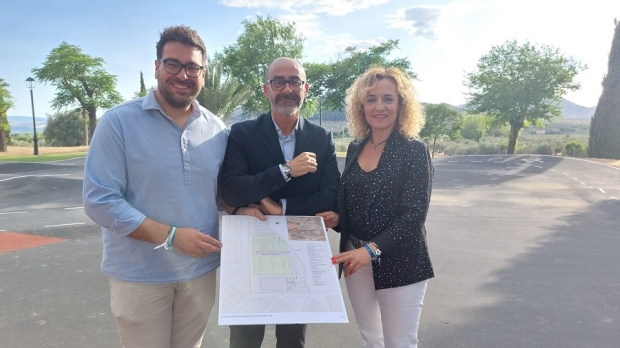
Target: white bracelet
[[168, 243]]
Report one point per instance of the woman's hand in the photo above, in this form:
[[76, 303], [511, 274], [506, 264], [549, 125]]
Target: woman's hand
[[352, 260], [330, 218]]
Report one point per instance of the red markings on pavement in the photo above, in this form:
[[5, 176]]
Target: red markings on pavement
[[11, 241]]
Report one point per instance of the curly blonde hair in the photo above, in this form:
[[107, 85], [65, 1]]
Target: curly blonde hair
[[410, 119]]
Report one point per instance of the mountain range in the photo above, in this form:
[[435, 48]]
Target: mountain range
[[570, 110], [23, 124]]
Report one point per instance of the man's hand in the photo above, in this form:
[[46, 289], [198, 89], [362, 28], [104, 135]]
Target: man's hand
[[303, 164], [194, 243], [252, 210], [330, 219], [269, 207]]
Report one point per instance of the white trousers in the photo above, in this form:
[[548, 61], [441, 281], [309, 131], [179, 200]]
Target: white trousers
[[389, 317], [172, 315]]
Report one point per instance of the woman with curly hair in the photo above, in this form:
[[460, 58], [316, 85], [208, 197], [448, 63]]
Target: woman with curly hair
[[383, 201]]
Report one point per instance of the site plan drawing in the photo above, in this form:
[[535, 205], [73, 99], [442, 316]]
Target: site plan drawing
[[278, 272]]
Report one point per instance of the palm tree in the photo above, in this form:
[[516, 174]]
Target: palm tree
[[6, 103], [222, 94]]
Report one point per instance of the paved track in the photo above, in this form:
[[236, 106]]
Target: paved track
[[526, 251]]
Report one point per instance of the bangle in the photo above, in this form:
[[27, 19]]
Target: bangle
[[234, 212], [372, 253], [377, 250]]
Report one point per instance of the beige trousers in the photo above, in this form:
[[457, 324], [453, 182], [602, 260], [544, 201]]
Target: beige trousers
[[172, 315]]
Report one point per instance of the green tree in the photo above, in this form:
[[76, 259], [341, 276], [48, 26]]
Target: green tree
[[520, 85], [574, 149], [222, 94], [65, 128], [441, 120], [6, 103], [143, 90], [262, 41], [474, 126], [604, 139], [80, 80], [332, 80]]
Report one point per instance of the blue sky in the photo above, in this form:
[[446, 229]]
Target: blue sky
[[443, 39]]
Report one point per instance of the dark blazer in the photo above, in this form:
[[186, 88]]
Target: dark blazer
[[251, 169], [397, 207]]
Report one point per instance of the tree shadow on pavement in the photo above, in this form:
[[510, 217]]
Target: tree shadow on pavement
[[562, 290]]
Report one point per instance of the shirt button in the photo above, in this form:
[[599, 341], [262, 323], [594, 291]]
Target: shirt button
[[275, 187]]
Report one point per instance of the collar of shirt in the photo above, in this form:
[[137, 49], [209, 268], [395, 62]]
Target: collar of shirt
[[287, 143], [279, 131], [151, 103]]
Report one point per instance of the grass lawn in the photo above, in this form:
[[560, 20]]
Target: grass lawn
[[46, 154]]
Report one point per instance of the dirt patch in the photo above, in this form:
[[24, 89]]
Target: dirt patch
[[44, 150], [10, 241]]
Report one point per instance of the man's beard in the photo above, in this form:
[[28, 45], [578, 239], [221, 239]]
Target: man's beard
[[177, 101], [293, 100]]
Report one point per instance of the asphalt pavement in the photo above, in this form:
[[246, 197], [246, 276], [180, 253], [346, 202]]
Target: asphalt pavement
[[525, 248]]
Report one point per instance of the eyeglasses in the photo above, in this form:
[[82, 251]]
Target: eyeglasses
[[278, 84], [173, 67]]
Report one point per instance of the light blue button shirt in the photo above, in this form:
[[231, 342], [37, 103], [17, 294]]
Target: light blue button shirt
[[287, 144], [141, 164]]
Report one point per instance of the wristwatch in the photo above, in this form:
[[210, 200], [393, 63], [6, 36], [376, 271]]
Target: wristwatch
[[287, 170]]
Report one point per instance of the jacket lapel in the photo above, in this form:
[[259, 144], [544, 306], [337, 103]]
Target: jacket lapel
[[342, 203], [355, 150], [270, 139], [302, 140]]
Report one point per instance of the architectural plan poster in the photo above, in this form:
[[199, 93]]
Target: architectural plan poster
[[278, 271]]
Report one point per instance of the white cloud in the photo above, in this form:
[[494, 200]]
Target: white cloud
[[285, 5], [343, 7], [328, 47], [467, 29], [307, 24], [330, 7], [417, 20]]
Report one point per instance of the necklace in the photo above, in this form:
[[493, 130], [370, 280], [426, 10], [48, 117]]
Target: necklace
[[374, 146]]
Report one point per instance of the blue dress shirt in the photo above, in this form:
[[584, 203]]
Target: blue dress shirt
[[287, 143], [141, 164]]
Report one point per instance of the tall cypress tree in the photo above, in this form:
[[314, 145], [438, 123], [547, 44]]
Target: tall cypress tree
[[605, 125], [143, 91]]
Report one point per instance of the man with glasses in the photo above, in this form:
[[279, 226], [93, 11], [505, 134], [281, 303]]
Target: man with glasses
[[283, 165], [150, 181]]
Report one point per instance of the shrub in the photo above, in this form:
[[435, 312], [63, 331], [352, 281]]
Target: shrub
[[64, 129], [493, 146], [575, 149], [544, 149]]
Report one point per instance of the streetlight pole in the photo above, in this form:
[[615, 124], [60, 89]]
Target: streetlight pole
[[30, 83]]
